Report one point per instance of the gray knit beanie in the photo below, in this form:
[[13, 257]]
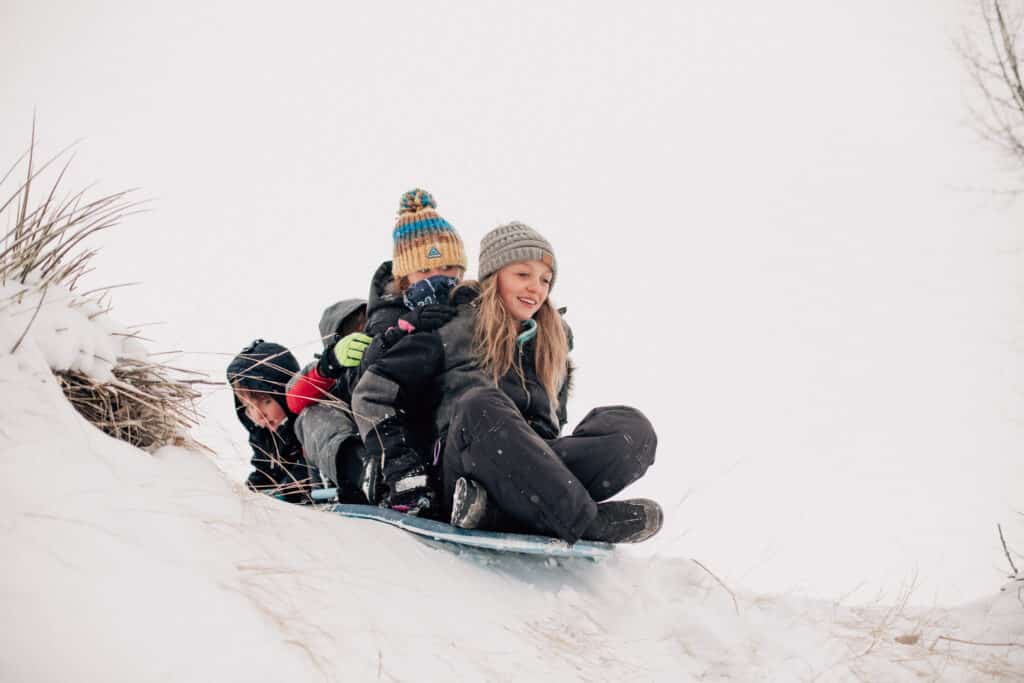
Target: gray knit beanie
[[514, 242]]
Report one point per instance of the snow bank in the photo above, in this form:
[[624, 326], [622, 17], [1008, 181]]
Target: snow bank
[[122, 565], [67, 331]]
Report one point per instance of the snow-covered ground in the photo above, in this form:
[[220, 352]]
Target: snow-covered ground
[[122, 565], [775, 226], [815, 295]]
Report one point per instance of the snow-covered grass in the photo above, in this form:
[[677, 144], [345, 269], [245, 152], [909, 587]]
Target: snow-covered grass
[[102, 367], [124, 565]]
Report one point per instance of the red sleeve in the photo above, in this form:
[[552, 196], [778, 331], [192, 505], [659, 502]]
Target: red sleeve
[[309, 389]]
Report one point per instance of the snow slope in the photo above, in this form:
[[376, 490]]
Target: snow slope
[[788, 196], [121, 565]]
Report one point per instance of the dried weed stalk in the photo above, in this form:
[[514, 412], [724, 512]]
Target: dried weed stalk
[[149, 404], [142, 406]]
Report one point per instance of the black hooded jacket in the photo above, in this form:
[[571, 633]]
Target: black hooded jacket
[[383, 306], [433, 369], [279, 467]]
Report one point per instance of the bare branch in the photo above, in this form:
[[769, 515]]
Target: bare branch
[[1008, 558], [994, 67], [735, 604], [975, 642], [42, 297]]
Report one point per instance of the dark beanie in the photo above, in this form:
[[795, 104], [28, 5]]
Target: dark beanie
[[263, 366]]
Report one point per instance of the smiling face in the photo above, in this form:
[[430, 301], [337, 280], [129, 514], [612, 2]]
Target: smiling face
[[523, 288], [262, 409]]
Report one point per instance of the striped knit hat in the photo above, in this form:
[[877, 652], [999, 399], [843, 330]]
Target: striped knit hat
[[424, 240], [514, 242]]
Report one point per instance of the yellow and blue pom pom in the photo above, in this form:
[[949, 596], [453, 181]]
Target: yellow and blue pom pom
[[416, 200]]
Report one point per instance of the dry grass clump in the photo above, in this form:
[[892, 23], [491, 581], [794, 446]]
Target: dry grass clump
[[143, 406], [148, 404], [44, 242]]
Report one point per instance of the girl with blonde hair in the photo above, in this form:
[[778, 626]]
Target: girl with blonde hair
[[501, 367]]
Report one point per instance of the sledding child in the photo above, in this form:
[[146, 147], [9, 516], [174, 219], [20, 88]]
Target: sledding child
[[501, 370], [428, 260], [258, 376], [320, 395], [411, 293]]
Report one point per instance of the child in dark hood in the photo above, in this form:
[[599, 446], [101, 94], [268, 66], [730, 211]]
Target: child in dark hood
[[258, 376]]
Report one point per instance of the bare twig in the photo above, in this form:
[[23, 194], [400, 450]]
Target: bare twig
[[891, 614], [974, 642], [107, 288], [42, 296], [1005, 550], [735, 604], [993, 64]]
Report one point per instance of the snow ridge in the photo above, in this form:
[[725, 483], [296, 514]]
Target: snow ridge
[[131, 566]]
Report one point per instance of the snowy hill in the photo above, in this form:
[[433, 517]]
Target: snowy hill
[[125, 566]]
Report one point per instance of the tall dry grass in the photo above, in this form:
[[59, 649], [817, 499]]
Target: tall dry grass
[[148, 404]]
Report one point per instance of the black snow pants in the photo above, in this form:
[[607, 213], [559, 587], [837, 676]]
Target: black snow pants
[[543, 486]]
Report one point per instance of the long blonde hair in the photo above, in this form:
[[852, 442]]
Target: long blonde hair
[[494, 340]]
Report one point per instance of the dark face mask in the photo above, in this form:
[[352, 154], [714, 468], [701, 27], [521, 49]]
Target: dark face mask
[[433, 290]]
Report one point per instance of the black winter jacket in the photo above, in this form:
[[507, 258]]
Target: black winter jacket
[[383, 306], [441, 366]]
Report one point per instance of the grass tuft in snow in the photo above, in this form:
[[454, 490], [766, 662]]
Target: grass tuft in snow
[[141, 406], [146, 403]]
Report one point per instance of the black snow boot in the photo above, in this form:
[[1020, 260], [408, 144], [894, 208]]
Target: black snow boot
[[469, 504], [625, 521]]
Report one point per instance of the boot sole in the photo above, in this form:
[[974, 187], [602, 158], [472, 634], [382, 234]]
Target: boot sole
[[468, 505], [653, 519]]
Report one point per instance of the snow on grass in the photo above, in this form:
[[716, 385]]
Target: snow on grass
[[65, 330]]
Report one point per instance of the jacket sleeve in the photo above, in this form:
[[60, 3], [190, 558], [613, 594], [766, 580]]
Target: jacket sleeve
[[383, 307], [562, 410], [350, 380], [405, 369], [279, 466], [308, 388], [269, 469], [322, 429]]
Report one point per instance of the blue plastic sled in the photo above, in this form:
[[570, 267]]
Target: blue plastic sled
[[490, 540]]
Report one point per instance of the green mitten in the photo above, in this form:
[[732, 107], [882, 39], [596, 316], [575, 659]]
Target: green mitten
[[349, 351]]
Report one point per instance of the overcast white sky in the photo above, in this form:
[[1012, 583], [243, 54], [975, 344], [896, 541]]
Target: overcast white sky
[[763, 213]]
